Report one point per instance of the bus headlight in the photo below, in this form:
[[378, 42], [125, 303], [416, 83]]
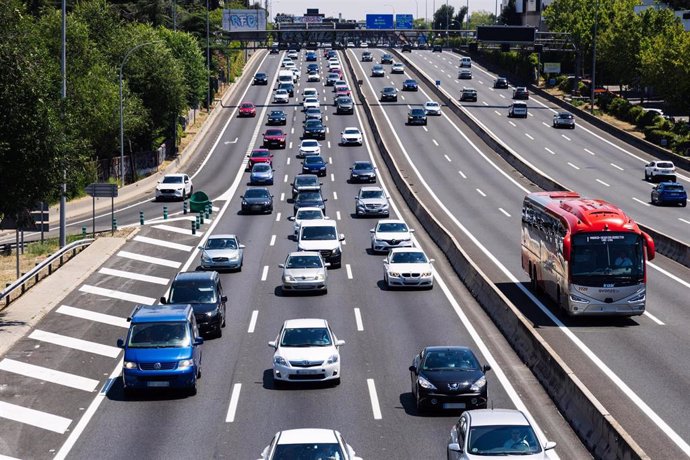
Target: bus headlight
[[577, 298], [639, 297]]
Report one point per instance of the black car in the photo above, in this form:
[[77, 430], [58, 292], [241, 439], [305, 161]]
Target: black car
[[387, 59], [377, 71], [274, 49], [314, 164], [407, 48], [204, 292], [367, 57], [277, 117], [520, 93], [501, 82], [448, 378], [305, 183], [289, 87], [257, 199], [416, 117], [314, 129], [260, 78], [410, 85], [310, 199], [312, 67], [389, 94], [437, 49], [344, 104], [362, 171]]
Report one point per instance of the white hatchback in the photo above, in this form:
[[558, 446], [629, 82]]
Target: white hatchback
[[432, 108], [308, 443], [351, 135]]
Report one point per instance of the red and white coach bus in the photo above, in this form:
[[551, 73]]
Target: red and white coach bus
[[585, 254]]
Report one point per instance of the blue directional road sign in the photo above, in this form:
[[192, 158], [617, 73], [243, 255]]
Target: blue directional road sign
[[404, 21], [379, 21]]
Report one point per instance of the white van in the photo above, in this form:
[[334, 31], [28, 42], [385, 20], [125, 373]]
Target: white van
[[286, 76], [321, 235], [465, 62]]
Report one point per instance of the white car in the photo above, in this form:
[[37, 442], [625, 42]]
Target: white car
[[174, 187], [432, 108], [311, 103], [389, 234], [281, 96], [351, 135], [313, 77], [306, 213], [296, 73], [397, 68], [465, 61], [293, 54], [285, 62], [304, 271], [408, 267], [371, 201], [309, 147], [660, 170], [306, 350], [289, 65], [309, 92], [309, 443]]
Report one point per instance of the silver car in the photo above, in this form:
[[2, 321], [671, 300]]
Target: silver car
[[371, 201], [262, 173], [222, 252], [305, 271]]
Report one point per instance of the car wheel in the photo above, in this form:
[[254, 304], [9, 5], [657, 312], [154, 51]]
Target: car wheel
[[336, 382], [224, 316], [192, 390], [684, 203], [219, 333], [278, 384]]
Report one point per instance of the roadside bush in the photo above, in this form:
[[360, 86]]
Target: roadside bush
[[564, 83], [604, 101], [682, 128], [655, 136], [647, 119], [620, 107], [682, 146], [635, 113]]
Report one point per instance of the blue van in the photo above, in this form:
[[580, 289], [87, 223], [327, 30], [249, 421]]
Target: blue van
[[162, 348]]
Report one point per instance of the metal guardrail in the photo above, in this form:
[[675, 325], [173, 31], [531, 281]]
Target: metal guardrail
[[35, 273]]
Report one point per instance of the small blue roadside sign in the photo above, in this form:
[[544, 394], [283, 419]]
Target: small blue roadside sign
[[438, 82]]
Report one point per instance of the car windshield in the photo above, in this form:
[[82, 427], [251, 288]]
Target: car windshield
[[260, 75], [281, 92], [392, 227], [326, 232], [274, 132], [502, 440], [304, 261], [309, 196], [306, 181], [313, 160], [411, 82], [261, 167], [417, 112], [311, 451], [565, 116], [362, 167], [159, 335], [311, 100], [306, 337], [313, 111], [371, 194], [256, 193], [672, 188], [312, 124], [450, 360], [184, 291], [277, 113], [344, 100], [388, 90], [310, 143], [351, 131], [432, 104], [309, 214], [221, 243], [172, 180], [408, 258], [247, 106], [261, 154], [607, 257], [310, 93]]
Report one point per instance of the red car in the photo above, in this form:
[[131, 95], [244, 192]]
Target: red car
[[274, 138], [259, 156], [247, 109]]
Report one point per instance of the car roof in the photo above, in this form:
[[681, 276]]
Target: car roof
[[390, 221], [160, 313], [351, 127], [310, 208], [318, 223], [366, 162], [395, 250], [306, 322], [448, 348], [174, 175], [371, 188], [196, 276], [304, 253], [482, 417], [222, 235]]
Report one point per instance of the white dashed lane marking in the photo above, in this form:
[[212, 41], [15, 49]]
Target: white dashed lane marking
[[375, 407], [603, 183], [358, 320]]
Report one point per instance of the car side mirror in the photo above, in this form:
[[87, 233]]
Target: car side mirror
[[224, 298], [291, 218], [163, 301], [487, 368], [549, 445], [201, 247], [272, 344], [413, 369], [341, 237], [411, 230], [281, 265], [327, 264], [198, 340], [454, 447], [120, 343], [325, 199], [339, 343], [371, 230], [242, 246], [432, 260]]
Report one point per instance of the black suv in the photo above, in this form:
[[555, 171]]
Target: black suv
[[437, 49], [261, 78], [416, 117], [305, 183], [277, 117], [344, 104], [289, 87], [314, 129], [501, 82], [204, 292], [389, 94], [407, 48]]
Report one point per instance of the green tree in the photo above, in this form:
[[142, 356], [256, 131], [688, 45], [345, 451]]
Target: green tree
[[443, 16], [509, 15], [618, 46], [187, 52], [481, 18]]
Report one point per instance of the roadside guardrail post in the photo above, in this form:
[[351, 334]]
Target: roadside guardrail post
[[114, 224], [210, 209], [206, 213], [141, 217], [197, 222], [201, 218], [193, 228], [184, 207], [165, 213]]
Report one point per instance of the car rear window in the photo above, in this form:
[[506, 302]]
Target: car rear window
[[664, 165], [674, 188], [318, 233]]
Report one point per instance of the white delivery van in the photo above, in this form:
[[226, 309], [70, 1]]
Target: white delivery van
[[321, 235]]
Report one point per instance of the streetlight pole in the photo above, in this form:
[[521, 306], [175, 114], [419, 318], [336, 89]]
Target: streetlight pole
[[594, 58], [208, 62], [63, 95], [122, 124]]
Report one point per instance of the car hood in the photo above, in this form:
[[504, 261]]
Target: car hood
[[351, 136], [170, 186], [257, 200], [262, 173], [310, 149], [309, 203], [442, 378], [229, 253], [306, 353], [363, 172], [315, 245], [157, 355], [366, 201], [274, 137], [303, 272], [409, 268], [400, 236]]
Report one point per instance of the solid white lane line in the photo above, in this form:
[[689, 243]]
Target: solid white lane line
[[512, 124], [332, 177], [549, 150], [163, 243], [565, 137], [337, 215], [603, 183], [93, 316], [358, 320], [134, 276], [462, 174], [529, 137], [348, 269], [434, 141], [641, 202], [234, 399], [182, 231], [480, 192], [282, 196], [617, 167], [149, 259], [335, 195], [120, 295], [77, 344], [287, 161], [264, 273], [669, 274], [654, 318], [252, 322], [278, 217], [504, 211], [33, 417], [285, 179], [48, 375], [375, 407], [573, 166], [683, 220], [273, 240], [590, 152]]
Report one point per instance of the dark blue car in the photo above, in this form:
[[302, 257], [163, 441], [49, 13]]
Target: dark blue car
[[410, 85], [311, 56], [314, 164], [312, 67], [669, 193]]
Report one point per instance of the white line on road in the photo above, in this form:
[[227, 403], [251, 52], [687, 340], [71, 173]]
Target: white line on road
[[497, 113], [603, 183], [290, 145], [434, 141], [134, 276], [447, 158], [358, 320], [163, 243], [278, 217], [182, 231], [546, 124], [48, 375], [114, 294], [234, 399], [480, 192], [425, 129], [590, 152], [93, 316], [683, 220], [617, 167], [565, 137], [573, 166], [264, 273], [375, 408], [252, 322], [654, 318], [485, 103], [36, 418], [149, 259], [529, 137], [502, 96], [285, 179], [462, 174], [273, 240], [337, 215], [641, 202], [512, 124], [332, 177], [549, 150], [287, 161], [669, 274], [76, 344], [282, 196], [335, 195], [504, 211], [329, 144], [348, 269]]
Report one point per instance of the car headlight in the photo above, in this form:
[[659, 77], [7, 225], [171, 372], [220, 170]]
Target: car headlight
[[185, 363], [205, 257], [277, 359], [289, 278], [424, 383], [244, 203], [129, 365], [577, 298], [479, 384], [211, 314], [640, 296], [384, 206], [320, 277], [336, 251], [332, 359], [394, 274]]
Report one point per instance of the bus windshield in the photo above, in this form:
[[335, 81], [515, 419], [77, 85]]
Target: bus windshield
[[607, 257]]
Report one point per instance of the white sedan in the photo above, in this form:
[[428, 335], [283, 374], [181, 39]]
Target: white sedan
[[389, 234], [308, 443], [432, 108], [397, 68], [408, 267], [311, 103], [309, 147], [306, 350], [281, 96], [313, 77], [351, 135], [306, 213]]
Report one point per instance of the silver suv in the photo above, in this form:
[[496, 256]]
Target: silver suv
[[371, 201]]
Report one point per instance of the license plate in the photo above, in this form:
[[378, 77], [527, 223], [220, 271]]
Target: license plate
[[308, 371], [453, 405], [157, 384]]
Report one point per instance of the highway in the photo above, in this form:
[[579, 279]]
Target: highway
[[621, 360], [237, 409]]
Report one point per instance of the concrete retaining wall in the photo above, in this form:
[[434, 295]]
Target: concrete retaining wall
[[599, 431]]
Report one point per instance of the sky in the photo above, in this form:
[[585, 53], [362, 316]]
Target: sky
[[358, 9]]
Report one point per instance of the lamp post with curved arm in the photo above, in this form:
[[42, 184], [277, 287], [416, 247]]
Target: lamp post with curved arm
[[122, 124]]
